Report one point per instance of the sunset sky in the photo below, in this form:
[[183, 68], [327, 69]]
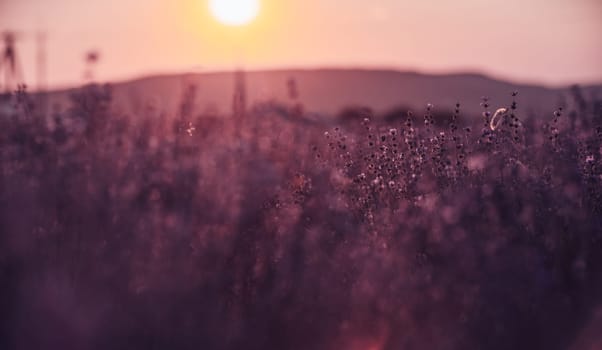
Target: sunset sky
[[540, 41]]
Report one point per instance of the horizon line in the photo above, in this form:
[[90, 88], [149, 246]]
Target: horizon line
[[309, 68]]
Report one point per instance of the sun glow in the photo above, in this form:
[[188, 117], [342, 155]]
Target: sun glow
[[234, 12]]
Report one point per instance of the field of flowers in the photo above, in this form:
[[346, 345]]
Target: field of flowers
[[269, 230]]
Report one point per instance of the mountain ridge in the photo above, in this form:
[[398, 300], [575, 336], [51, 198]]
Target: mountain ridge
[[329, 90]]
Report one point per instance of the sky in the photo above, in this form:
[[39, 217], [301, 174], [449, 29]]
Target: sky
[[552, 42]]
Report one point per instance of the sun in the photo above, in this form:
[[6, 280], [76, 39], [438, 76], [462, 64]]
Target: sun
[[234, 12]]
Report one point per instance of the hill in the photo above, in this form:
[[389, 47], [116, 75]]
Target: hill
[[327, 91]]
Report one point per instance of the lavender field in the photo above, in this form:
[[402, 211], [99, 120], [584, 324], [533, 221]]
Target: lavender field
[[267, 229], [300, 175]]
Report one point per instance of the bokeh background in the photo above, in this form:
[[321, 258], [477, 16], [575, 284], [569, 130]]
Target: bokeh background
[[540, 41]]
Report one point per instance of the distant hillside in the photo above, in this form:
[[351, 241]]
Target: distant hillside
[[327, 91]]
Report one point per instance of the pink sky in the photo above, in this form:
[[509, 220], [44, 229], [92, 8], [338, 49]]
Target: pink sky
[[542, 41]]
